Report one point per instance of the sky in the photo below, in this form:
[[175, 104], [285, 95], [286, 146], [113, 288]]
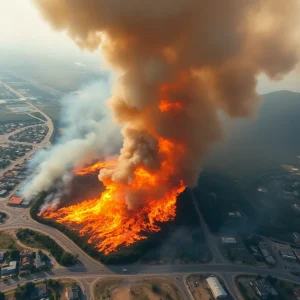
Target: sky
[[21, 27]]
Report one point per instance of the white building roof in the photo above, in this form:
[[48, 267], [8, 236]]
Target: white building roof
[[12, 266], [228, 240], [216, 288]]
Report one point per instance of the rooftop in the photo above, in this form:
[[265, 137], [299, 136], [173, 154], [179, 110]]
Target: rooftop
[[15, 200]]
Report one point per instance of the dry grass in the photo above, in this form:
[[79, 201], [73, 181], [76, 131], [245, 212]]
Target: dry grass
[[132, 289], [7, 241]]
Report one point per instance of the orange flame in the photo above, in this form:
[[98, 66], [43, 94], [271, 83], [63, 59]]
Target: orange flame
[[95, 168], [107, 221], [165, 106]]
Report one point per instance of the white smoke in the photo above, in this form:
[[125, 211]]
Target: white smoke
[[88, 133]]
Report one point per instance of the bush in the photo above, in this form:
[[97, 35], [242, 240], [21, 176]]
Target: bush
[[155, 289]]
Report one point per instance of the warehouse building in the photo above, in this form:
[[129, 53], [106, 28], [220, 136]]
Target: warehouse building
[[216, 288]]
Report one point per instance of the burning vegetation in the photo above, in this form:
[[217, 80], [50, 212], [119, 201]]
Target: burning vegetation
[[181, 63]]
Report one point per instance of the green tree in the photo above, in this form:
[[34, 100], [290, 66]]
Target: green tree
[[2, 296], [67, 259], [14, 254]]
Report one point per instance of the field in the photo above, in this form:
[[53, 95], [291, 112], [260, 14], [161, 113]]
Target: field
[[132, 289], [6, 116], [7, 241], [38, 115], [54, 112]]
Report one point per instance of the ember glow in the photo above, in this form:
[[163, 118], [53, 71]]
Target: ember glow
[[107, 221]]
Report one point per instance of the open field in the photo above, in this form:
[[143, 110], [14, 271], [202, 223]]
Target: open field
[[7, 241], [132, 289], [8, 116], [38, 115], [54, 112]]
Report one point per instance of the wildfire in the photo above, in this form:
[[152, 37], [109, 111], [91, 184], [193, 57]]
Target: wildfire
[[107, 221], [95, 168]]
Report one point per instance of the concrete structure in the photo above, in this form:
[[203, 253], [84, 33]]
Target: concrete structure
[[10, 269], [216, 288], [72, 293], [228, 240]]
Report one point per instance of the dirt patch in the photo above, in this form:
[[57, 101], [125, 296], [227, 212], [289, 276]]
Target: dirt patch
[[121, 293], [199, 287], [137, 289]]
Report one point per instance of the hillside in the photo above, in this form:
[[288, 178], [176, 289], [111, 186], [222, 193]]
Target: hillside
[[271, 138]]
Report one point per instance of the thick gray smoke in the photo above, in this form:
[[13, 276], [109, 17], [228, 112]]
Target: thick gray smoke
[[181, 63], [89, 133]]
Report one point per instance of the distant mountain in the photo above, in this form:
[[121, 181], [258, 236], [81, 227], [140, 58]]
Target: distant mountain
[[273, 137]]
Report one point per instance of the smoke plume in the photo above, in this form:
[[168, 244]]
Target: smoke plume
[[182, 62], [89, 133]]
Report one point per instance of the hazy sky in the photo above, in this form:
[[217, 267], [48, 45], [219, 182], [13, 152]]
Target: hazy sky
[[22, 27]]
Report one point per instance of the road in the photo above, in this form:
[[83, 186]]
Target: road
[[89, 268]]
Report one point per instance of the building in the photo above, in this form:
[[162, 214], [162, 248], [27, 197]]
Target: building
[[228, 240], [9, 270], [270, 260], [288, 254], [15, 201], [263, 288], [72, 293], [216, 288], [26, 202], [39, 292], [234, 214], [39, 262]]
